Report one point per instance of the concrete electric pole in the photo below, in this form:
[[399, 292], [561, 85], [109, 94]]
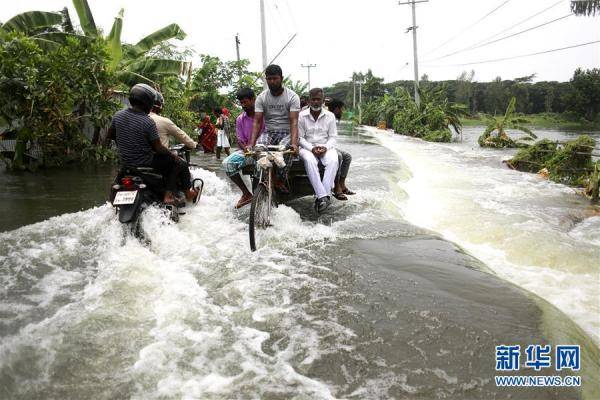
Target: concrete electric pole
[[414, 32], [263, 34], [308, 67], [237, 45]]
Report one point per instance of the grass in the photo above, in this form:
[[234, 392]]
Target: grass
[[544, 120]]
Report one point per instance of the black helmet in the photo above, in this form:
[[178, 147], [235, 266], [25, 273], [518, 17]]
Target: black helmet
[[142, 95], [160, 100]]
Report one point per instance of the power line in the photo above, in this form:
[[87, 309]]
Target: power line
[[521, 22], [469, 27], [513, 57], [500, 39], [291, 14]]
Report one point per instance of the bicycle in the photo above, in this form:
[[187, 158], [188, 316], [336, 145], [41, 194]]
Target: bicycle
[[264, 197]]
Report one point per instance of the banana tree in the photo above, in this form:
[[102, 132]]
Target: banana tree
[[297, 87], [129, 62], [495, 133]]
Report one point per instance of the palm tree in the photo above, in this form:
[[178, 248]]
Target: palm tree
[[495, 134], [585, 7]]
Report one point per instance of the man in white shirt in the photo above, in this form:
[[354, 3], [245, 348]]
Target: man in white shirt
[[317, 134]]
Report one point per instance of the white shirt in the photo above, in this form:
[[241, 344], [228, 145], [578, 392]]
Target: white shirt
[[322, 132]]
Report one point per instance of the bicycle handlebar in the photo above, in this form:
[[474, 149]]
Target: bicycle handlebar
[[255, 153]]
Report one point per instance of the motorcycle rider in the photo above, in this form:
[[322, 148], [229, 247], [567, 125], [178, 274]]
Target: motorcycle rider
[[138, 143]]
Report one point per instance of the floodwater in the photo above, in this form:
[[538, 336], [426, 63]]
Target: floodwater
[[402, 292]]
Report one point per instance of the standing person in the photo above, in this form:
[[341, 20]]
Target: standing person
[[243, 125], [344, 158], [139, 145], [317, 133], [222, 126], [208, 137], [278, 107]]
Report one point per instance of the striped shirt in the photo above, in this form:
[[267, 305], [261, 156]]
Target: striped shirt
[[134, 131]]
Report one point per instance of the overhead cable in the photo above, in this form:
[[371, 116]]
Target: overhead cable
[[469, 27], [500, 39], [529, 18], [513, 57]]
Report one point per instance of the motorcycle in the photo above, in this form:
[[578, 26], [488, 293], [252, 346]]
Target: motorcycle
[[137, 188]]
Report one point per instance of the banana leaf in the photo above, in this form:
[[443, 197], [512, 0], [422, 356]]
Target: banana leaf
[[60, 37], [129, 78], [31, 21], [46, 45], [168, 32], [114, 41], [153, 66], [86, 19]]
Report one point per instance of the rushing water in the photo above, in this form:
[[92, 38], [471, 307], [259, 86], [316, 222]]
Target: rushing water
[[366, 302], [533, 232]]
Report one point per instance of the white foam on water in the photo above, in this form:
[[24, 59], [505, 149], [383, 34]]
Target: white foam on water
[[192, 314], [528, 230]]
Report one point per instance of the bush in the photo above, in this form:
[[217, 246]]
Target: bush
[[47, 94], [571, 165], [535, 157], [442, 135]]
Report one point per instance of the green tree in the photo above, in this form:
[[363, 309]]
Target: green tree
[[464, 88], [584, 99], [495, 96], [44, 95], [215, 82], [372, 87]]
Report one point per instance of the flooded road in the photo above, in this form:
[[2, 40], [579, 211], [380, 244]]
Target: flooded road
[[369, 302]]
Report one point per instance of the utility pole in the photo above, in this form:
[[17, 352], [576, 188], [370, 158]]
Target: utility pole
[[353, 94], [237, 46], [308, 67], [414, 32], [360, 83], [263, 34]]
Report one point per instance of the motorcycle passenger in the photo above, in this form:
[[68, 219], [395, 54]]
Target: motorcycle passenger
[[167, 128], [138, 143]]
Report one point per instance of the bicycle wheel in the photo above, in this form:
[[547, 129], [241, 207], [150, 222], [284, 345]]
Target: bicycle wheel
[[259, 214]]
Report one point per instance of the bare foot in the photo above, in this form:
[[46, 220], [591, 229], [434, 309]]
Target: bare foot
[[169, 198], [191, 194]]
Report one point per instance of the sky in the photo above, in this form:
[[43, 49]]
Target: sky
[[346, 36]]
